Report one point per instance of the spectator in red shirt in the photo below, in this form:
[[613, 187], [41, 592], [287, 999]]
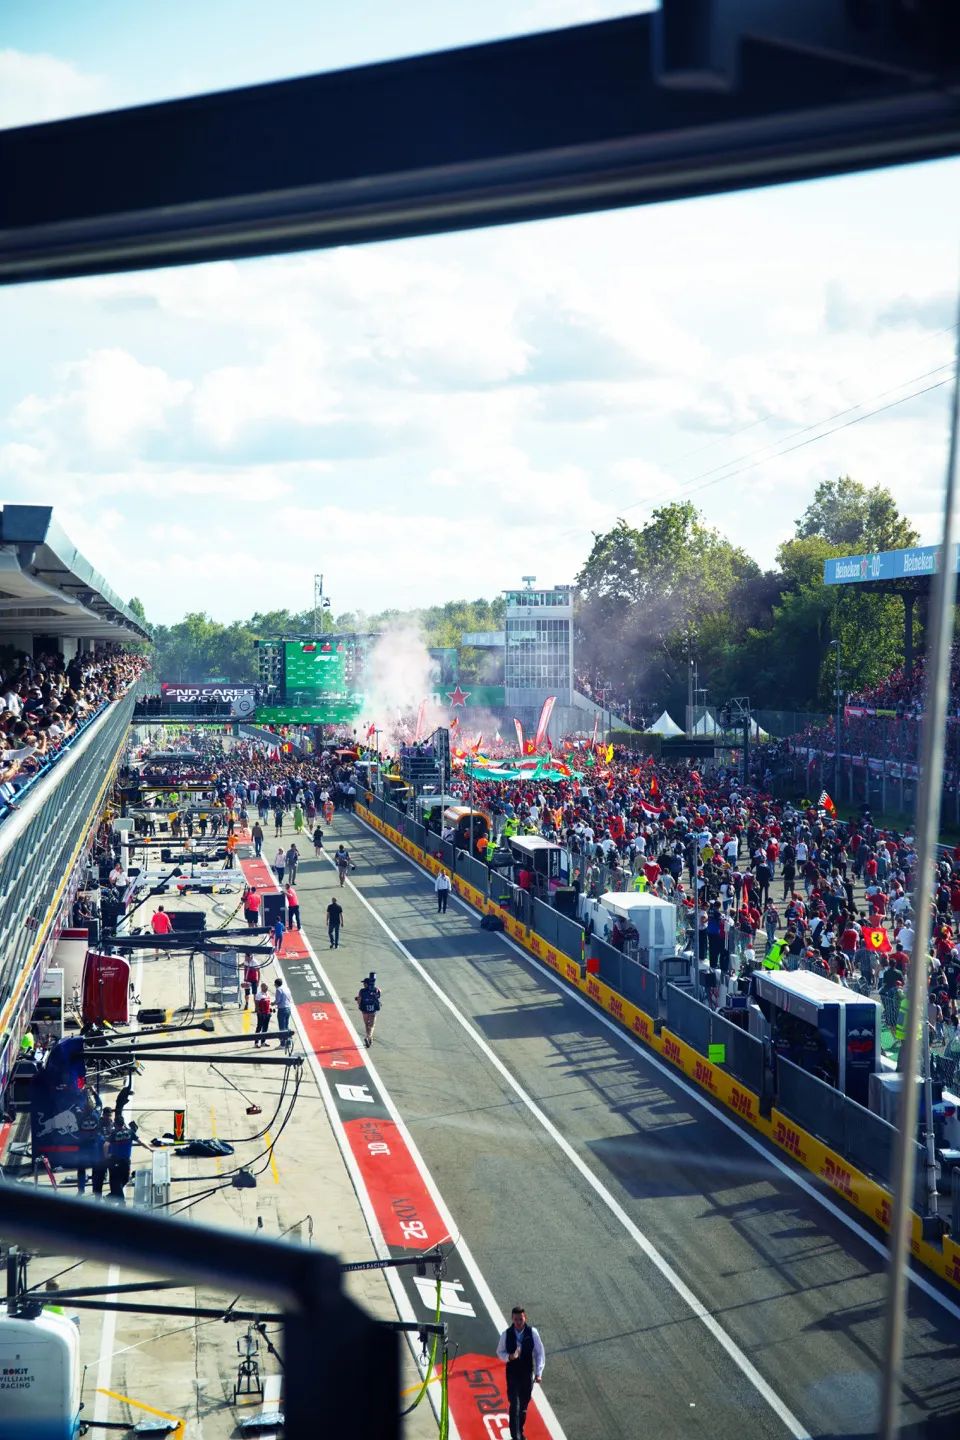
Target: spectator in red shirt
[[652, 871], [850, 939]]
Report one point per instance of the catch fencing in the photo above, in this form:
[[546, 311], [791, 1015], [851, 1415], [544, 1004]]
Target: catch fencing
[[635, 982], [701, 1027], [858, 1134]]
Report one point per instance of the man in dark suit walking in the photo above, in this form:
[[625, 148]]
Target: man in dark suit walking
[[522, 1349]]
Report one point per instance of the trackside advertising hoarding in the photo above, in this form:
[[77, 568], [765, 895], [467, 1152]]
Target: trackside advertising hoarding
[[921, 561]]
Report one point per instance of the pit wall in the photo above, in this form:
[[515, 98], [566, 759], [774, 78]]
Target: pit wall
[[851, 1185]]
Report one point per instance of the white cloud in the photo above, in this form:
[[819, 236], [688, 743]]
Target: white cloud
[[35, 87], [109, 400]]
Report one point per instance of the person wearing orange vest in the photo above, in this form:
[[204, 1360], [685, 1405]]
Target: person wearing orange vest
[[232, 843]]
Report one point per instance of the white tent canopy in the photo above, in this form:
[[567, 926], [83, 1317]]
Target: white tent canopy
[[706, 725], [664, 726]]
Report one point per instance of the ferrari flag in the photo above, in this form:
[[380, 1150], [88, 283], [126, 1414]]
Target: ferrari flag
[[878, 941], [826, 803]]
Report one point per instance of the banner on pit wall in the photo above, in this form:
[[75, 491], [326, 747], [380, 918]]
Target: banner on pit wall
[[711, 1077]]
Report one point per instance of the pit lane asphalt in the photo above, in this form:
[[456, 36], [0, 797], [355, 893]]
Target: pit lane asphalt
[[799, 1293]]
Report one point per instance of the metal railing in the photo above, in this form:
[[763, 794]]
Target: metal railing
[[40, 843]]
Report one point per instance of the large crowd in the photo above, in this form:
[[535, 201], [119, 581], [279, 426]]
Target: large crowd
[[759, 882], [777, 885], [46, 700]]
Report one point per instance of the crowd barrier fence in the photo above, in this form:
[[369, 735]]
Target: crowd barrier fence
[[838, 1171]]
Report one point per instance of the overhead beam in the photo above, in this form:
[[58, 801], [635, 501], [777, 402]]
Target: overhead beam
[[546, 125]]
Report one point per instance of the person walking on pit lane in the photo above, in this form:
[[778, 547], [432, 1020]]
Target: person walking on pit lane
[[293, 908], [318, 842], [334, 921], [368, 1003], [257, 833], [293, 860], [280, 864], [279, 930], [442, 888], [161, 924], [522, 1349]]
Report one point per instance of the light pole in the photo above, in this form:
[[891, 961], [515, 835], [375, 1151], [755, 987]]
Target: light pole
[[835, 645], [376, 736]]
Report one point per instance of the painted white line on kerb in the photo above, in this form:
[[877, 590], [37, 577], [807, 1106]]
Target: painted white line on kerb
[[464, 1252], [743, 1364], [464, 1255], [795, 1176], [105, 1359]]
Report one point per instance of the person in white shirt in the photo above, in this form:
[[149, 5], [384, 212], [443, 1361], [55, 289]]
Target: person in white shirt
[[442, 888], [522, 1349], [905, 938]]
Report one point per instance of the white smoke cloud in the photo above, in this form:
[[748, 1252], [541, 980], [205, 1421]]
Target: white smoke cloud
[[397, 681]]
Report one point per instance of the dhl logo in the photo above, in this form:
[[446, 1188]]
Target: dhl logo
[[884, 1215], [839, 1177], [615, 1007], [593, 990], [535, 944], [704, 1076], [742, 1104], [789, 1139], [641, 1026], [573, 972], [552, 958], [952, 1272], [671, 1050]]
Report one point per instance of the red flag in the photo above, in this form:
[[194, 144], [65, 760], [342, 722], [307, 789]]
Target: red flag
[[654, 787], [878, 941], [454, 723], [519, 730], [635, 772], [549, 744], [544, 720], [650, 760]]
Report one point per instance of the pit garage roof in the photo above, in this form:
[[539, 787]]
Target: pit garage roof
[[48, 588]]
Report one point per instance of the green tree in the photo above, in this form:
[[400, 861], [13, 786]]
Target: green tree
[[648, 598], [847, 513]]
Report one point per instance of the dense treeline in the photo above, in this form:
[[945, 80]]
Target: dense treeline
[[199, 648], [649, 598]]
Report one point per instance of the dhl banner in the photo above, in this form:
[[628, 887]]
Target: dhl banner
[[712, 1078], [866, 1195]]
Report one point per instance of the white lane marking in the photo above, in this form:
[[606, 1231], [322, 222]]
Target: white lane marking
[[743, 1364], [105, 1359], [400, 1298], [463, 1249], [796, 1177]]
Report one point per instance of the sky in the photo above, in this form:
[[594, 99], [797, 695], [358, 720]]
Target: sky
[[431, 419]]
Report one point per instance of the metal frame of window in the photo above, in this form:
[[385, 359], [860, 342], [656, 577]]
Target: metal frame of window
[[700, 97]]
